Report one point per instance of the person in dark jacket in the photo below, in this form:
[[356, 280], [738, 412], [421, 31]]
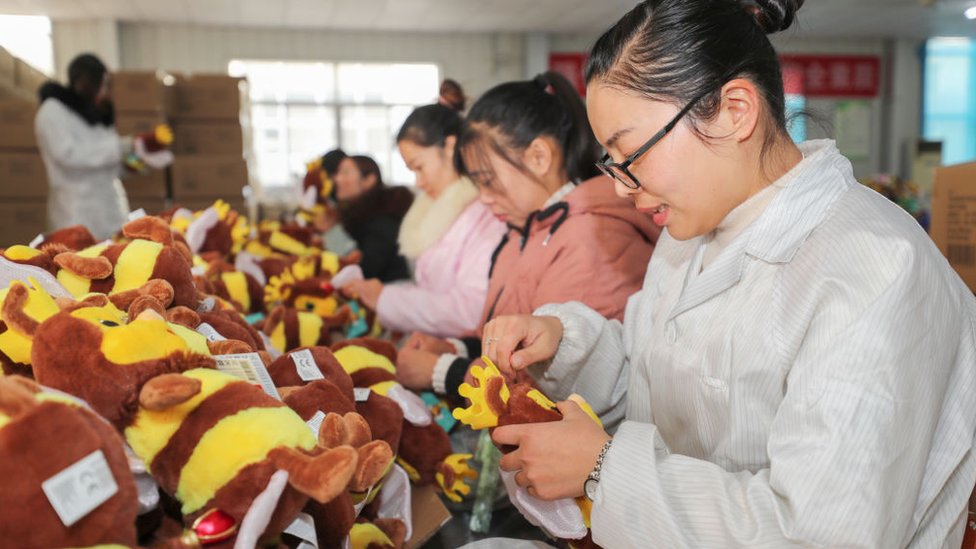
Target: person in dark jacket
[[371, 212]]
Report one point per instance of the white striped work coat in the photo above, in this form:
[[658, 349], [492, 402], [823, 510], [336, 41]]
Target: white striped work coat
[[814, 386]]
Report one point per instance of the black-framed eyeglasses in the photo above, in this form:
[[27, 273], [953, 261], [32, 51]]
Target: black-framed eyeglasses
[[619, 170]]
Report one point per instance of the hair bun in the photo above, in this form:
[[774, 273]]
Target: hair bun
[[773, 15], [452, 95]]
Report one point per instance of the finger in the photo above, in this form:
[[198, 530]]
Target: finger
[[504, 348], [570, 410], [529, 355], [532, 492], [509, 434], [511, 461], [413, 342], [522, 480]]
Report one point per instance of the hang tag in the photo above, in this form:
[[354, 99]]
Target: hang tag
[[248, 366], [361, 393], [82, 487], [137, 214], [207, 305], [303, 528], [210, 332], [198, 270], [315, 422], [37, 241], [305, 365]]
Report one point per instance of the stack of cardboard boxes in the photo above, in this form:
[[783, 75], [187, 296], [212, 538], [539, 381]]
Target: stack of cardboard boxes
[[140, 101], [23, 182], [208, 113]]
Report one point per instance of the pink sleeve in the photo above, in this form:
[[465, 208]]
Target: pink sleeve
[[453, 311]]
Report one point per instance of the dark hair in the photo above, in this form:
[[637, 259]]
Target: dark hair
[[86, 67], [368, 166], [452, 95], [509, 116], [331, 161], [677, 50], [430, 125]]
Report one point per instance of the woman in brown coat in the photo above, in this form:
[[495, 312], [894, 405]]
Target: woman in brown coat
[[529, 148]]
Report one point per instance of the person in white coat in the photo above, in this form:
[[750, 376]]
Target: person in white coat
[[799, 368], [82, 152]]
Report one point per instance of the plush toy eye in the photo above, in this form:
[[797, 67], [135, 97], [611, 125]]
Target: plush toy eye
[[109, 323], [309, 306]]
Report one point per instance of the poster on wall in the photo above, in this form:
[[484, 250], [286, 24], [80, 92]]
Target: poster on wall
[[852, 129], [838, 76]]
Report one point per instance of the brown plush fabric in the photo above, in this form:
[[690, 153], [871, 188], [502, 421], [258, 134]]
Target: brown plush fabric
[[229, 347], [333, 520], [146, 302], [175, 269], [368, 377], [374, 458], [385, 418], [322, 477], [522, 409], [92, 268], [150, 228], [218, 239], [66, 356], [158, 289], [424, 448], [74, 238], [184, 316], [378, 346], [232, 325], [168, 390], [40, 441], [320, 395], [13, 313], [284, 373], [394, 529]]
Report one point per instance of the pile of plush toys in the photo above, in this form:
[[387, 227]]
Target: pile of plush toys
[[201, 382]]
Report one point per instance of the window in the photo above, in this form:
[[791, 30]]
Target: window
[[303, 109], [29, 38], [949, 97]]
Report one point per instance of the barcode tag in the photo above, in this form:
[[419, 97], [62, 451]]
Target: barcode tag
[[137, 214], [305, 365], [361, 393], [248, 366], [210, 332], [37, 241], [315, 422], [303, 528], [79, 489]]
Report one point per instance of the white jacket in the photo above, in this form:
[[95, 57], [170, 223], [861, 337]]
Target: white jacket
[[814, 386], [83, 163]]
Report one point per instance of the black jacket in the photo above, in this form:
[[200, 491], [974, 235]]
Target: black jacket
[[373, 221]]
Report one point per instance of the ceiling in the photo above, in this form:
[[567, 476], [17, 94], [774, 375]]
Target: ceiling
[[818, 18]]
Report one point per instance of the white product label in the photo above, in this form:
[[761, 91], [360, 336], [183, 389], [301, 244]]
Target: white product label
[[315, 422], [207, 305], [303, 528], [79, 489], [37, 241], [305, 365], [137, 214], [361, 393], [210, 332], [248, 366]]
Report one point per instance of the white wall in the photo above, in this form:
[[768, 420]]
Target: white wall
[[72, 37]]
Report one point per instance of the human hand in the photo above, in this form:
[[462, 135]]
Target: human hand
[[429, 343], [415, 368], [366, 291], [516, 342]]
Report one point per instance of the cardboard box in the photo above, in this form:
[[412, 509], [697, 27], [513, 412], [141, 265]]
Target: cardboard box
[[17, 124], [152, 206], [203, 202], [193, 137], [428, 513], [140, 91], [22, 175], [206, 97], [150, 185], [954, 218], [8, 90], [207, 175], [21, 221], [7, 70], [27, 77], [131, 123]]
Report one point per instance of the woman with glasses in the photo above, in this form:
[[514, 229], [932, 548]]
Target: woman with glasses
[[529, 148], [799, 368]]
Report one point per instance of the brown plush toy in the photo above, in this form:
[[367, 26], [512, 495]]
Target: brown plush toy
[[240, 289], [41, 435], [73, 238], [152, 263], [290, 328], [228, 324], [211, 440], [425, 449]]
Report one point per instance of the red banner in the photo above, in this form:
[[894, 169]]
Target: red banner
[[831, 75], [571, 66]]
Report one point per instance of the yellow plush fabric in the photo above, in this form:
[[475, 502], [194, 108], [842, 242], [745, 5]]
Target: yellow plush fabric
[[135, 264], [355, 358]]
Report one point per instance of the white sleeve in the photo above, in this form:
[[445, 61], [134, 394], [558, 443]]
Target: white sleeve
[[96, 150], [592, 360], [849, 446]]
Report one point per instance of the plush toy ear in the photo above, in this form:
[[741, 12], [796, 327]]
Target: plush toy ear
[[184, 316], [92, 268], [17, 395], [358, 429], [332, 432], [167, 390], [94, 300], [276, 316], [322, 477], [146, 303], [159, 289], [229, 347], [13, 310], [149, 228], [374, 459]]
